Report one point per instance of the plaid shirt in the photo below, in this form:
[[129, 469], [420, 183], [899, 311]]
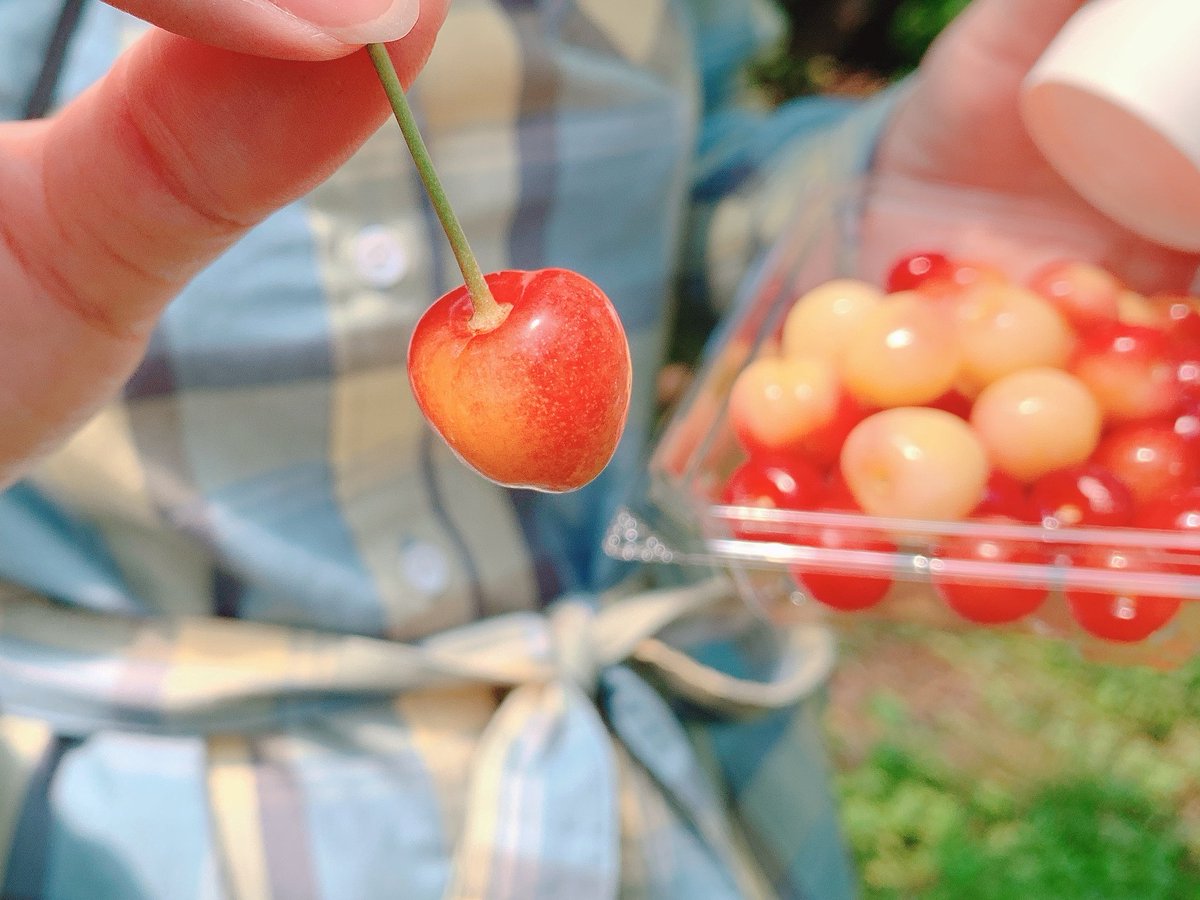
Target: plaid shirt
[[262, 636]]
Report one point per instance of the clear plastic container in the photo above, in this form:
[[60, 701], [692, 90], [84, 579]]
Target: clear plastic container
[[855, 232]]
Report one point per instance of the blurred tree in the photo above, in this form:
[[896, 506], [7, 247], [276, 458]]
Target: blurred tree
[[851, 46]]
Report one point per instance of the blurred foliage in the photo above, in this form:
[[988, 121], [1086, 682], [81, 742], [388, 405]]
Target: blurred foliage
[[1023, 772], [851, 46], [919, 830], [916, 23]]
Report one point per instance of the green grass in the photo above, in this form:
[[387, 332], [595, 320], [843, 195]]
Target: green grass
[[917, 22], [990, 766]]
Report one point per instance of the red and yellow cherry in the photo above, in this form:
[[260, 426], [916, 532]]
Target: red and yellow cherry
[[914, 269], [1036, 421], [963, 276], [776, 402], [904, 353], [1151, 460], [1003, 328], [538, 400], [989, 602], [822, 321], [1086, 294], [1082, 495], [1122, 617], [916, 463], [845, 591], [1130, 370]]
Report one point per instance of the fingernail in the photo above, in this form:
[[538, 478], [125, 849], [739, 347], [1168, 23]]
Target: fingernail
[[357, 21]]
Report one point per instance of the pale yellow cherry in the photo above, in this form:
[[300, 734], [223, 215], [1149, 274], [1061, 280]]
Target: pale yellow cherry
[[823, 320], [1003, 328], [1135, 309], [915, 463], [904, 353], [1035, 421], [775, 402]]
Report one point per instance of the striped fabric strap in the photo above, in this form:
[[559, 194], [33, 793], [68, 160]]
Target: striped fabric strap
[[202, 675], [546, 745]]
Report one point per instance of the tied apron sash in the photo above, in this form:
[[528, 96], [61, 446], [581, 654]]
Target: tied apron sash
[[578, 711]]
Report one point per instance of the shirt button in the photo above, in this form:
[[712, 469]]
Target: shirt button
[[380, 256], [425, 567]]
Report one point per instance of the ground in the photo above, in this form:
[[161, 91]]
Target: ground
[[990, 765]]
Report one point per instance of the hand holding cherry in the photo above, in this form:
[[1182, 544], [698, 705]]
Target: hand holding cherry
[[526, 375], [110, 207]]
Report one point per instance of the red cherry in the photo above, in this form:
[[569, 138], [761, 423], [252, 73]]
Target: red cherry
[[1005, 496], [953, 402], [1123, 618], [1174, 512], [1187, 373], [989, 602], [1151, 460], [841, 590], [911, 271], [772, 483], [1181, 317], [837, 493], [1187, 426], [823, 445], [1131, 370], [1086, 294], [1082, 495], [539, 401]]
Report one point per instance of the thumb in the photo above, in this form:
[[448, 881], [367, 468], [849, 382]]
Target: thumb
[[288, 29], [180, 149], [107, 210]]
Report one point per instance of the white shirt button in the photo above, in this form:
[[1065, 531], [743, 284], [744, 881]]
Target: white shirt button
[[380, 256], [425, 567]]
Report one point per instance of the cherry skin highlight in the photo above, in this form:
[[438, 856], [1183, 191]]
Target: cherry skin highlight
[[539, 401]]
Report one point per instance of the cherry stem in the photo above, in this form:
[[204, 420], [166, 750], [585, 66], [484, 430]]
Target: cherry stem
[[488, 314]]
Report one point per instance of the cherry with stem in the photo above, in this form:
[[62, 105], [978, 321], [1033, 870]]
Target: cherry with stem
[[526, 375]]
